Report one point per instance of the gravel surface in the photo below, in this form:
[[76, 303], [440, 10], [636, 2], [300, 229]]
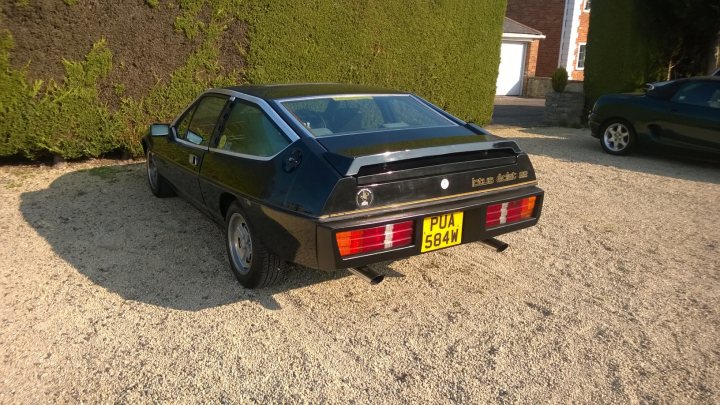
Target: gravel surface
[[109, 294]]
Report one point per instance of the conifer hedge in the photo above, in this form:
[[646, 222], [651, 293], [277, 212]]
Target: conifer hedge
[[445, 51], [619, 49]]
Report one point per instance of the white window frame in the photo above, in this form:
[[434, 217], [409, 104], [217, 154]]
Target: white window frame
[[577, 61], [586, 6]]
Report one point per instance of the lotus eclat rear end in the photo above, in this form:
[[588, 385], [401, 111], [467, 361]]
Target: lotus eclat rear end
[[339, 176]]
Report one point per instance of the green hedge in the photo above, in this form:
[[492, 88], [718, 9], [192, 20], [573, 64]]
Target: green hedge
[[618, 49], [446, 51], [65, 119]]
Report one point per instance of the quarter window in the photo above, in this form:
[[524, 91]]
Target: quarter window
[[184, 124], [250, 132], [203, 121]]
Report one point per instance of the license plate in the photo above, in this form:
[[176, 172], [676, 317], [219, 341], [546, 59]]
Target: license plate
[[441, 231]]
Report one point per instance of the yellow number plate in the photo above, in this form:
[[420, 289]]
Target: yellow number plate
[[442, 231]]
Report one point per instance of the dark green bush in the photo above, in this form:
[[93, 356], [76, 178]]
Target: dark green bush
[[632, 42], [559, 79], [619, 51]]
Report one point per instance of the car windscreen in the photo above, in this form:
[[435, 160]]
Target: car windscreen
[[347, 114]]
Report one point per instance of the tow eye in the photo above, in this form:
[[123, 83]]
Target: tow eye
[[367, 274]]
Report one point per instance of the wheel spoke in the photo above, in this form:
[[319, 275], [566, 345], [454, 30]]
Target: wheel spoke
[[241, 246]]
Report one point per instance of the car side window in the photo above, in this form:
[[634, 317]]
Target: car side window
[[184, 123], [700, 94], [198, 127], [250, 132]]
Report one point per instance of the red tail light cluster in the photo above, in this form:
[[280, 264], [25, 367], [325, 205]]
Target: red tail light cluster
[[509, 212], [376, 238]]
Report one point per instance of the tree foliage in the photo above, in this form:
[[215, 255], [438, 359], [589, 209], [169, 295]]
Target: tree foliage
[[687, 33], [632, 42]]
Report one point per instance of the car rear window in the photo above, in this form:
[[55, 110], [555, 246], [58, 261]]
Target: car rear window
[[347, 114], [665, 91]]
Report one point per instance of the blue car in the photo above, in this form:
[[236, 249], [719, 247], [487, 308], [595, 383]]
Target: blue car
[[682, 113]]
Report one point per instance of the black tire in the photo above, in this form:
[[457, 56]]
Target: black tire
[[158, 185], [617, 137], [250, 261]]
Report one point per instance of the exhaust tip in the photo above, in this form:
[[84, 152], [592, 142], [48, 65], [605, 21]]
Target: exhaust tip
[[377, 279], [367, 274], [496, 244]]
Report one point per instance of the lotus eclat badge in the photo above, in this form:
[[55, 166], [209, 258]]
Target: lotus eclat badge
[[364, 198]]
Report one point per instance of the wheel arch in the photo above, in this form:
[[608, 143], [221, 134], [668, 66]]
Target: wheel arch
[[607, 121], [226, 199]]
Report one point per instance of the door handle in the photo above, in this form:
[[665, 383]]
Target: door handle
[[194, 160]]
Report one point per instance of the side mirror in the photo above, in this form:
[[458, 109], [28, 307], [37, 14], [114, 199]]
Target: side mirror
[[648, 86], [159, 130]]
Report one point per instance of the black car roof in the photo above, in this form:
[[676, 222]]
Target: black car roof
[[696, 79], [278, 91], [665, 90]]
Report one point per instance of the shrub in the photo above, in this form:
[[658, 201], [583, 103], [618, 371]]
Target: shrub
[[559, 79], [15, 104], [64, 119]]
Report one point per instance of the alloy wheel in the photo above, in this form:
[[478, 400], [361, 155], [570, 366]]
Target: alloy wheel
[[240, 243], [616, 137], [152, 171]]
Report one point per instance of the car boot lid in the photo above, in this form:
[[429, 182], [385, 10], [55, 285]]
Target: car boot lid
[[349, 153]]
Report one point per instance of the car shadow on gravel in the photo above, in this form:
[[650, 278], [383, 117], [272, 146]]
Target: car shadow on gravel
[[578, 146], [107, 225]]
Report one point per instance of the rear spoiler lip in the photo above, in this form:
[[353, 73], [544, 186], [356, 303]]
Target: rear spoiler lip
[[339, 161]]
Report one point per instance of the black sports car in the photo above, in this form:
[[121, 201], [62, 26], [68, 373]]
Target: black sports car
[[681, 113], [338, 176]]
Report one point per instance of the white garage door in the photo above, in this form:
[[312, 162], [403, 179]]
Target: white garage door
[[512, 61]]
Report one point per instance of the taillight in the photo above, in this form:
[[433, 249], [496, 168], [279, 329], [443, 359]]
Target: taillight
[[509, 212], [376, 238]]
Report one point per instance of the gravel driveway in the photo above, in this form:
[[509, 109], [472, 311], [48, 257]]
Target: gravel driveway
[[108, 294]]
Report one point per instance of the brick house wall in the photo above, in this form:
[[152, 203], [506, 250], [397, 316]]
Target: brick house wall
[[548, 16], [531, 59], [545, 16], [582, 34]]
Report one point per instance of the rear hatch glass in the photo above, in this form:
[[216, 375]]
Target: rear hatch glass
[[348, 114]]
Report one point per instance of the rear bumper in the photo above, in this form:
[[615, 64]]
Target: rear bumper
[[474, 209]]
